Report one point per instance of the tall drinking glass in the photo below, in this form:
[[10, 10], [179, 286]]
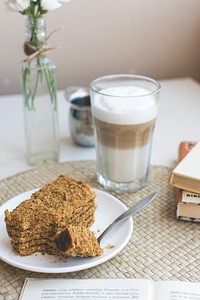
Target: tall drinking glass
[[124, 109]]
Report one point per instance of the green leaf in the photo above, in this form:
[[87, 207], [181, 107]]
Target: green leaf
[[26, 12], [43, 11]]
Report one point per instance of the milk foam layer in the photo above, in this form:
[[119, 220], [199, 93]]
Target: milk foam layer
[[125, 105]]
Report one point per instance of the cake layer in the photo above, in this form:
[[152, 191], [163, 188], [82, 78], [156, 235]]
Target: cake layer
[[42, 232], [84, 217], [53, 203], [28, 250]]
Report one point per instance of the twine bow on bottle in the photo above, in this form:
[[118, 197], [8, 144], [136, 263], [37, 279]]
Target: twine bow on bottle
[[32, 51]]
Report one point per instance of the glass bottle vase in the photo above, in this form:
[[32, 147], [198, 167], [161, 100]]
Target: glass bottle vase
[[40, 98]]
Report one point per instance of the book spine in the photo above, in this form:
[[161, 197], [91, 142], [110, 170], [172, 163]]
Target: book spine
[[186, 174], [188, 197], [188, 219], [184, 148], [184, 197]]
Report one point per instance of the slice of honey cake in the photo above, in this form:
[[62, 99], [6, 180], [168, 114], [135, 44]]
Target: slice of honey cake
[[77, 241], [33, 223]]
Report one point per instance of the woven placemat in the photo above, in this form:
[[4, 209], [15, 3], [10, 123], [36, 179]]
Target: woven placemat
[[161, 247]]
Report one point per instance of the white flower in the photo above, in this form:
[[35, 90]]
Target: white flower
[[22, 5], [52, 4], [18, 5]]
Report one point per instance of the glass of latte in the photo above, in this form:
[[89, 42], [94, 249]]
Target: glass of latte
[[124, 110]]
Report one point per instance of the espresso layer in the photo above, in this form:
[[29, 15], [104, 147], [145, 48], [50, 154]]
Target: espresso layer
[[123, 136]]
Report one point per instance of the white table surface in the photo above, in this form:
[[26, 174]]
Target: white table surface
[[178, 120]]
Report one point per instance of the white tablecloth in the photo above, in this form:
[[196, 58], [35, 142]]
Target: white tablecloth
[[178, 120]]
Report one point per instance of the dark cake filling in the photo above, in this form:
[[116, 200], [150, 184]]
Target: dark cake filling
[[63, 241]]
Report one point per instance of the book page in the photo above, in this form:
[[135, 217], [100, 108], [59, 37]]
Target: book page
[[86, 289], [189, 166], [176, 290]]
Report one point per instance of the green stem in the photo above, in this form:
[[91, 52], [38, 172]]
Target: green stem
[[35, 89], [44, 69], [44, 72], [25, 78], [50, 78]]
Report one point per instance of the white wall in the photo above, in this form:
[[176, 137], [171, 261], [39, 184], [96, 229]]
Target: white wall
[[157, 38]]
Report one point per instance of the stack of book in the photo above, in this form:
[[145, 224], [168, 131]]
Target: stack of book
[[186, 178]]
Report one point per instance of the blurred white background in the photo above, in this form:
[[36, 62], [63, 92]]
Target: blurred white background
[[157, 38]]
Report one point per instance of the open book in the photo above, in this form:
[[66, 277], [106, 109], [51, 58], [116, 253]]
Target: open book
[[105, 289]]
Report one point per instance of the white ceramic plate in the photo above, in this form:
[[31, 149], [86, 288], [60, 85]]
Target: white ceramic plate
[[108, 208]]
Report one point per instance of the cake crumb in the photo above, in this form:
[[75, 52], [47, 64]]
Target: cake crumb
[[110, 246]]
